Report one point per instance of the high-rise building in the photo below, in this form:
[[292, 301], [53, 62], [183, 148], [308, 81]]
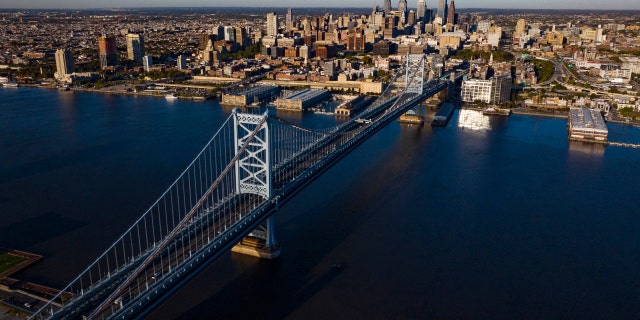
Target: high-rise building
[[387, 6], [494, 91], [182, 62], [599, 34], [147, 63], [521, 27], [289, 19], [451, 13], [442, 11], [241, 37], [135, 47], [421, 11], [64, 62], [411, 18], [230, 33], [107, 51], [402, 6], [272, 24]]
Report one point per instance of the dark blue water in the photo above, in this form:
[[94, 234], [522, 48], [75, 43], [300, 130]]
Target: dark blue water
[[485, 218]]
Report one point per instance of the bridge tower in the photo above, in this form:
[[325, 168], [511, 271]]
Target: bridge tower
[[253, 176], [414, 83]]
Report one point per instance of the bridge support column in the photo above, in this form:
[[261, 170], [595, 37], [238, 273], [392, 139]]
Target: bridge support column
[[261, 242]]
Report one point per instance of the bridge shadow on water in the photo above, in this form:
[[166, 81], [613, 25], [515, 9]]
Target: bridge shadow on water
[[311, 228]]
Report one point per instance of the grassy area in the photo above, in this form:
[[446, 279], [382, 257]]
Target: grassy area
[[544, 69], [8, 261]]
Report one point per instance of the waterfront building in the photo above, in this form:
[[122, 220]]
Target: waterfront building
[[135, 47], [246, 96], [493, 91], [107, 51], [585, 123], [64, 63], [302, 99], [272, 24]]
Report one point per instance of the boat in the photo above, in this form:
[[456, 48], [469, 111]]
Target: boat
[[10, 84], [171, 96]]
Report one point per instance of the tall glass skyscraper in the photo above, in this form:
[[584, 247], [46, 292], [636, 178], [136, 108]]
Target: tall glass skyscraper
[[387, 6], [442, 10], [421, 10]]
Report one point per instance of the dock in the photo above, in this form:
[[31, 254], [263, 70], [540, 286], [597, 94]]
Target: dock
[[23, 296], [624, 144], [443, 115]]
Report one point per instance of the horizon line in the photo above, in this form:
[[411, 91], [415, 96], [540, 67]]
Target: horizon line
[[319, 7]]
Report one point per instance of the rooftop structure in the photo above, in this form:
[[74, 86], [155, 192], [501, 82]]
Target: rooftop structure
[[247, 96], [587, 124], [302, 100]]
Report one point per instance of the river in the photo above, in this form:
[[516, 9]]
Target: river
[[488, 217]]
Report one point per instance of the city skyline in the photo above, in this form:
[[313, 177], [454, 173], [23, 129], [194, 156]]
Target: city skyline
[[506, 4]]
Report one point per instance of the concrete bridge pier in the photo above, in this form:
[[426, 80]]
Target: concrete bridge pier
[[261, 242]]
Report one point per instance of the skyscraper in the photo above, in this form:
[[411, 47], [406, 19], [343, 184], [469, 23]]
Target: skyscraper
[[442, 10], [135, 47], [421, 11], [289, 19], [272, 24], [182, 62], [147, 63], [64, 62], [451, 13], [521, 27], [229, 33], [402, 7], [387, 6], [107, 51], [411, 17]]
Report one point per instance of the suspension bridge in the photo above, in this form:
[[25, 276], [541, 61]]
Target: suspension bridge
[[252, 165]]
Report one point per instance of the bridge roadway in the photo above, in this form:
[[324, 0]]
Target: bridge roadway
[[158, 281]]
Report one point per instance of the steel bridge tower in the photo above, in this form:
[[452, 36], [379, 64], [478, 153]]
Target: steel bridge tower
[[414, 83], [253, 176]]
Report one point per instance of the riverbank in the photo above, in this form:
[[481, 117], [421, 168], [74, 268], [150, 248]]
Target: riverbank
[[21, 298], [123, 91]]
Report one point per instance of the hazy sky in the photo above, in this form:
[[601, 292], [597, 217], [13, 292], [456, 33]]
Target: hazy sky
[[521, 4]]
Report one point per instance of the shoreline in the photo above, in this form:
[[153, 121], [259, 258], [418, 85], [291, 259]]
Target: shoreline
[[126, 93], [519, 111]]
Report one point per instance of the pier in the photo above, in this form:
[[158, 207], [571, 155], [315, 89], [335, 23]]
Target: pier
[[23, 296]]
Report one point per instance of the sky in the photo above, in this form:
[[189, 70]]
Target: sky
[[511, 4]]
